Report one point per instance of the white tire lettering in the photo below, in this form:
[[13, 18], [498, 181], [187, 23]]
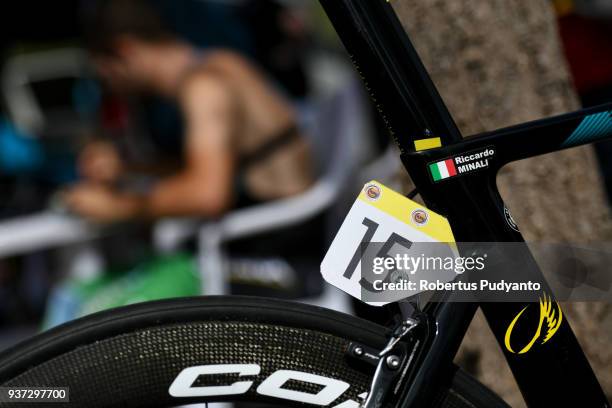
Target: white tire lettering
[[182, 386], [332, 389]]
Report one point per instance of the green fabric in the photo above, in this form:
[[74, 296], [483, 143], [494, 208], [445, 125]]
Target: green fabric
[[160, 278]]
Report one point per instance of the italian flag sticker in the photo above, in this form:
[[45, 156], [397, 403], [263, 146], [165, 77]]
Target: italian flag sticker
[[443, 169]]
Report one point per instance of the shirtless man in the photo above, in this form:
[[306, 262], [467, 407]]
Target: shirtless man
[[241, 143]]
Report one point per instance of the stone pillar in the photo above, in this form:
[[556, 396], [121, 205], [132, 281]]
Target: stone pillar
[[498, 63]]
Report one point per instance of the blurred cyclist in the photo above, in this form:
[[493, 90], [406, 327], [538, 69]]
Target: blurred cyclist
[[241, 144]]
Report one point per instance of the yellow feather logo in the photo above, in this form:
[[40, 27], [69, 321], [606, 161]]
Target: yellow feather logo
[[550, 312]]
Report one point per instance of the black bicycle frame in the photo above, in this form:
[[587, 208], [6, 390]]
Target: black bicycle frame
[[556, 374]]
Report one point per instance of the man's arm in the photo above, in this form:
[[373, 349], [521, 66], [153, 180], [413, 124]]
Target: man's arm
[[204, 187]]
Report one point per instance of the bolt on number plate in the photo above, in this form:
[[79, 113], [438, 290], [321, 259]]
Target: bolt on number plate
[[389, 248]]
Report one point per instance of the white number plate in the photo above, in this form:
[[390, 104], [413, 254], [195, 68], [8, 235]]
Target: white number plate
[[394, 224]]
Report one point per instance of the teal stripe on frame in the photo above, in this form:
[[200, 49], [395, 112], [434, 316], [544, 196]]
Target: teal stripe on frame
[[585, 125], [601, 125], [592, 128]]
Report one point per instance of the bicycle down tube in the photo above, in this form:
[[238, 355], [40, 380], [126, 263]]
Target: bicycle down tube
[[557, 374]]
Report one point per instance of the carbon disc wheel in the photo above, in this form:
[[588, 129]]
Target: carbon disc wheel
[[177, 352]]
